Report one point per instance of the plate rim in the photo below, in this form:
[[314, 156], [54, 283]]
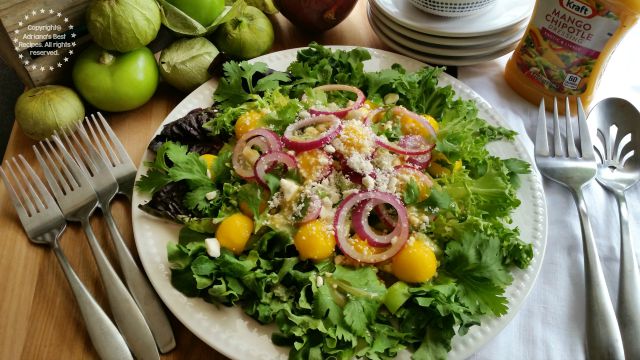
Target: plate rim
[[534, 178], [440, 59], [476, 41], [439, 50], [423, 28]]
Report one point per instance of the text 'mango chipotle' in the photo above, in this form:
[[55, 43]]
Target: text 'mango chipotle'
[[566, 47]]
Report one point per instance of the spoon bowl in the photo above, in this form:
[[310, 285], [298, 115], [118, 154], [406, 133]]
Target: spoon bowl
[[615, 125], [617, 142]]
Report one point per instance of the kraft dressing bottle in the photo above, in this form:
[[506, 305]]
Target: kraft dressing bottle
[[566, 47]]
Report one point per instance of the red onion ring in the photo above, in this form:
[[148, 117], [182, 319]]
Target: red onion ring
[[322, 140], [385, 216], [268, 160], [341, 228], [409, 148], [360, 219], [417, 141], [271, 141], [341, 113], [396, 148]]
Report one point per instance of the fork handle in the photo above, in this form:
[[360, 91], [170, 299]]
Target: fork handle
[[141, 289], [603, 335], [629, 292], [104, 335], [127, 316]]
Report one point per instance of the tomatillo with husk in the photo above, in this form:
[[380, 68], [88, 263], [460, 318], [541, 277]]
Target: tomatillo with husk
[[246, 36], [114, 81], [41, 111], [123, 25], [185, 63]]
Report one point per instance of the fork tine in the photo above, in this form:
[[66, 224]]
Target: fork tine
[[542, 143], [586, 149], [58, 191], [60, 164], [35, 196], [101, 142], [44, 193], [122, 152], [557, 136], [37, 204], [15, 199], [571, 143], [74, 168], [79, 152]]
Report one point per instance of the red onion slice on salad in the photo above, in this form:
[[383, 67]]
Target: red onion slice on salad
[[263, 139], [417, 141], [294, 143], [360, 219], [267, 161], [341, 226], [341, 113]]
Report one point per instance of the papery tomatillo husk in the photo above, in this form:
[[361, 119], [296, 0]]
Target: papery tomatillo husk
[[184, 64], [43, 110]]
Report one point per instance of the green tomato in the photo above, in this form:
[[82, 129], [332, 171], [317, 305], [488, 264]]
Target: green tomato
[[202, 11], [113, 81]]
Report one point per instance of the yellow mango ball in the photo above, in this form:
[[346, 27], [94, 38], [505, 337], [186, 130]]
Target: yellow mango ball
[[415, 263], [248, 121], [209, 160], [314, 240], [233, 232]]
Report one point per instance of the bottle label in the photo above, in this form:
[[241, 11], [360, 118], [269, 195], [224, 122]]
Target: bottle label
[[563, 42]]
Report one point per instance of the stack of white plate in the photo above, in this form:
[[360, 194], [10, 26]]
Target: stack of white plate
[[455, 41]]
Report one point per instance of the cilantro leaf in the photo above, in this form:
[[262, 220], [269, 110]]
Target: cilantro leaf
[[237, 86], [475, 262]]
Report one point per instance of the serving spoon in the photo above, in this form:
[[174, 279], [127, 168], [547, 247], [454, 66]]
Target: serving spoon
[[615, 125]]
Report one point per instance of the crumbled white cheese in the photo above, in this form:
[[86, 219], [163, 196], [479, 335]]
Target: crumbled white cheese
[[288, 188], [319, 281], [360, 164], [327, 211], [368, 182], [329, 149], [211, 195], [213, 247]]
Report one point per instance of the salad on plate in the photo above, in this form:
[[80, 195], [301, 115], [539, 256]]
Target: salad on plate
[[360, 212]]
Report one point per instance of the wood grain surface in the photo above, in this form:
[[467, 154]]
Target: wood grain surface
[[38, 315]]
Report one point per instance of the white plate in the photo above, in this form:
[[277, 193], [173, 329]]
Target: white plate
[[438, 59], [505, 14], [507, 36], [438, 50], [236, 335]]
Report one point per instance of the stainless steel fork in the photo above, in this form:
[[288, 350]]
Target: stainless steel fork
[[575, 168], [77, 200], [106, 187], [114, 153], [44, 223]]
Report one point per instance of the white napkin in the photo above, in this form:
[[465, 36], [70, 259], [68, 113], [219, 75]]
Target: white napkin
[[551, 323]]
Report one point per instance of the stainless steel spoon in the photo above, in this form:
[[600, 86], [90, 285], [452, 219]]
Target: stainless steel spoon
[[615, 125]]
